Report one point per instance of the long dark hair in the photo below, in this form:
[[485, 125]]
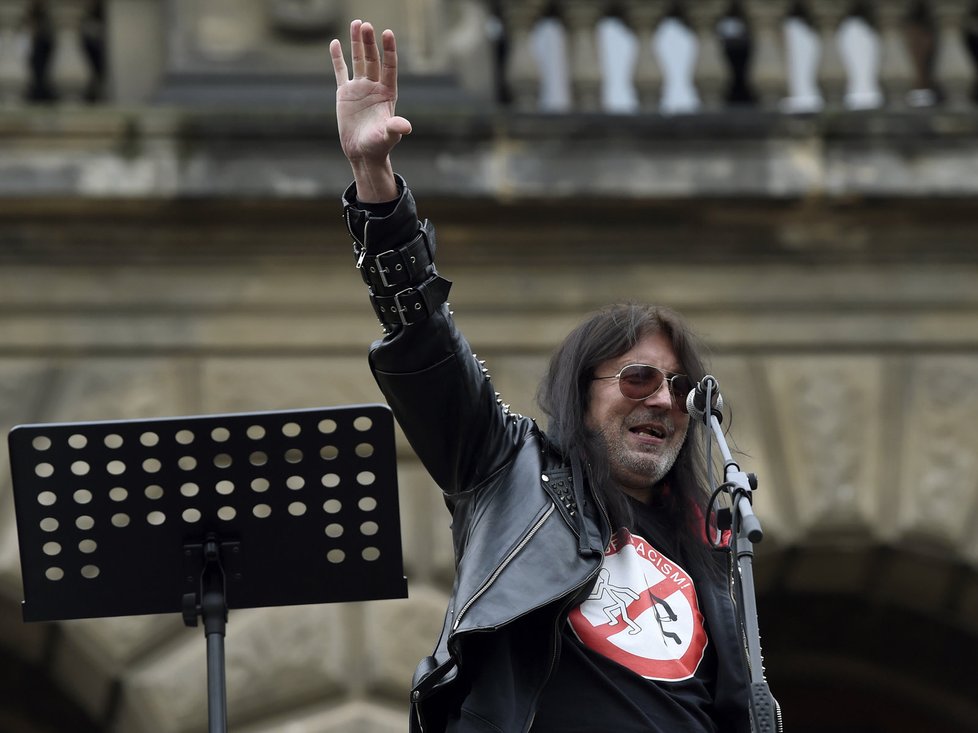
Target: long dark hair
[[564, 397]]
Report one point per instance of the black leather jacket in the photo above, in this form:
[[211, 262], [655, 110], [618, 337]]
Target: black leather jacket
[[528, 533]]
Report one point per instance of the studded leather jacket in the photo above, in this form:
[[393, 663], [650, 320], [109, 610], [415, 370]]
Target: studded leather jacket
[[528, 533]]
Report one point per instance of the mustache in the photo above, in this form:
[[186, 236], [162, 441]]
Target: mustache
[[656, 417]]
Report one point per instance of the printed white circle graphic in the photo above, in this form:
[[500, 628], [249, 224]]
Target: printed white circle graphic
[[643, 613]]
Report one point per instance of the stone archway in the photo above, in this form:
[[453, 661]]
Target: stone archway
[[31, 698], [873, 661]]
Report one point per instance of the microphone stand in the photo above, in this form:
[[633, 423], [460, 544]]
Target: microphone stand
[[746, 531]]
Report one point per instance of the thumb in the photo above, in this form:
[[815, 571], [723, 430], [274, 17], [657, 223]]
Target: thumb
[[397, 126]]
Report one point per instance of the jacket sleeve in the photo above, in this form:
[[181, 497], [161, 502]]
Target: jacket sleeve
[[440, 393]]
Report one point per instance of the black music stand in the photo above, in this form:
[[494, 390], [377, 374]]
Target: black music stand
[[198, 515]]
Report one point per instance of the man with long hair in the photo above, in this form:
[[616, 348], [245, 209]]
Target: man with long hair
[[588, 596]]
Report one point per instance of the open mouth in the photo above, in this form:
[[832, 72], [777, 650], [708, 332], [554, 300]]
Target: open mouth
[[654, 431]]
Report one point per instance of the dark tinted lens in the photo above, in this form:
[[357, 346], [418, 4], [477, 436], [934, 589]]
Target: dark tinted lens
[[638, 381], [681, 386]]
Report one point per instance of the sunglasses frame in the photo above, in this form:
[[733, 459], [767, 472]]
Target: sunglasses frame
[[667, 378]]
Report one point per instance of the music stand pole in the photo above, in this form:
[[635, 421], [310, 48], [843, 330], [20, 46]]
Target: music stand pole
[[212, 608]]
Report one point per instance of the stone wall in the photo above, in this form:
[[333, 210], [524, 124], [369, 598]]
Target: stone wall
[[184, 259], [843, 332]]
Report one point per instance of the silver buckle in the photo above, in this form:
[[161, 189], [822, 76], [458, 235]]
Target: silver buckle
[[400, 309], [381, 270]]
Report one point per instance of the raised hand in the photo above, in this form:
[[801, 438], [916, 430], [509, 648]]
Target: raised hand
[[365, 118]]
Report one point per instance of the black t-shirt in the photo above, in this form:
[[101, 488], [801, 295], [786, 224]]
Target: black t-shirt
[[635, 656]]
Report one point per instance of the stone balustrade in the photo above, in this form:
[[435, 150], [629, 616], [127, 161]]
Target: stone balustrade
[[622, 56], [670, 56], [52, 51]]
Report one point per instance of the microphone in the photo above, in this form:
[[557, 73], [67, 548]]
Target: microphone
[[696, 399]]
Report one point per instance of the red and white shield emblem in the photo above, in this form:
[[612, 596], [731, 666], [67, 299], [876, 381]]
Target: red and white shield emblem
[[642, 612]]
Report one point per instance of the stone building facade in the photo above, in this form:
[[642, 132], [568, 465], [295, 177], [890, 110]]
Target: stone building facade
[[178, 250]]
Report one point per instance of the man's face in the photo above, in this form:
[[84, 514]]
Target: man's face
[[642, 437]]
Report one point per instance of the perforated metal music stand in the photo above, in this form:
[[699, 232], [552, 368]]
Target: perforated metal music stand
[[198, 515]]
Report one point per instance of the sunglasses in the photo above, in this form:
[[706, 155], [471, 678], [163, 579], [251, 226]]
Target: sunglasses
[[641, 381]]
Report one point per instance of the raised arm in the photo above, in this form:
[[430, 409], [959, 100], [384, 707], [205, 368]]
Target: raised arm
[[365, 118]]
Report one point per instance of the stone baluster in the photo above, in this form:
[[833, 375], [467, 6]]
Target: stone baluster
[[711, 68], [896, 61], [768, 70], [826, 17], [955, 67], [549, 46], [522, 73], [644, 16], [582, 19], [677, 47], [618, 48]]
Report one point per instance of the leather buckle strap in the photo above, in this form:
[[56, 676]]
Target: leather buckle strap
[[411, 263], [411, 305]]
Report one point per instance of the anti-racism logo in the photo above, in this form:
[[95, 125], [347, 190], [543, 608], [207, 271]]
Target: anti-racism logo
[[642, 612]]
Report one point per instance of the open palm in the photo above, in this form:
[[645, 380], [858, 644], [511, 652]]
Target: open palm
[[368, 127]]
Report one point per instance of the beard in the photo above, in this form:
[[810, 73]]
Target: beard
[[628, 467]]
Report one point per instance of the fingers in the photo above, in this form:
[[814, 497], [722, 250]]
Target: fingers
[[388, 74], [371, 54], [356, 48], [366, 57], [339, 63]]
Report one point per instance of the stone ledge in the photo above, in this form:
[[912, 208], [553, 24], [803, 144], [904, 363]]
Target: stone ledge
[[168, 152]]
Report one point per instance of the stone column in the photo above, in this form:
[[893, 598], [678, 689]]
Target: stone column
[[522, 72], [954, 69], [648, 78], [769, 64], [896, 67], [711, 69], [827, 15], [582, 21]]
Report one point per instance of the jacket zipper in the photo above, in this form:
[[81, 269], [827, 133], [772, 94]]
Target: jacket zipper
[[363, 252], [556, 629], [502, 566], [556, 636], [363, 245]]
